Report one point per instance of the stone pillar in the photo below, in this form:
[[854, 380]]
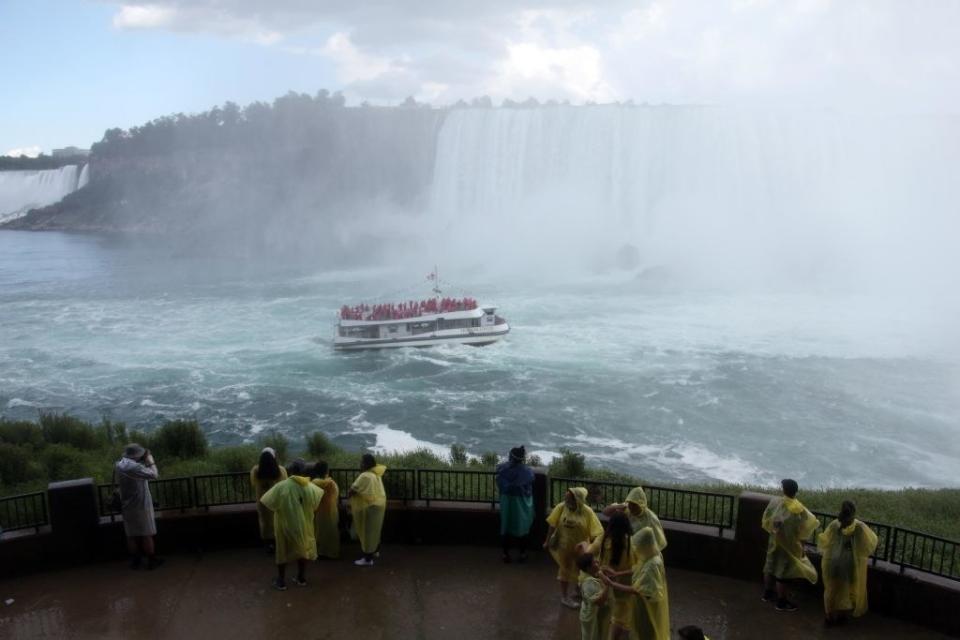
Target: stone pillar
[[751, 540], [74, 518], [541, 506]]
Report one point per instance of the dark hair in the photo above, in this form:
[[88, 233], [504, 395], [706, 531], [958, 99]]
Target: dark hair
[[367, 462], [847, 511], [320, 469], [518, 454], [618, 534], [297, 467], [585, 561], [267, 467], [691, 632], [790, 487]]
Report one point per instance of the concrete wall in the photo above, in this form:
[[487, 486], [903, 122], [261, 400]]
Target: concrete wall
[[77, 535]]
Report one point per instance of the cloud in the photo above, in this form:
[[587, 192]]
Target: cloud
[[24, 152], [830, 52]]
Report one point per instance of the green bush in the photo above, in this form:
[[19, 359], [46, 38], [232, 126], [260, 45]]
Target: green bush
[[489, 459], [14, 464], [319, 445], [140, 437], [66, 462], [279, 443], [458, 454], [113, 433], [569, 464], [21, 432], [64, 429], [235, 459], [535, 461], [179, 439]]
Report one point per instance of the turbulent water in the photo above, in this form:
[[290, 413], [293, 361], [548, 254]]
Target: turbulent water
[[748, 387], [21, 191]]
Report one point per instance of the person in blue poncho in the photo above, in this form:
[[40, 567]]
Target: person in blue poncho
[[515, 482]]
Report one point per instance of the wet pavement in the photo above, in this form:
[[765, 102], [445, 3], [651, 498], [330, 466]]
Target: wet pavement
[[413, 592]]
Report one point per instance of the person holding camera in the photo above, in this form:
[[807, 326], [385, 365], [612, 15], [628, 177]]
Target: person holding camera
[[132, 473]]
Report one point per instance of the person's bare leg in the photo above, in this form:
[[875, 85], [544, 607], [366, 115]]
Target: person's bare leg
[[148, 548]]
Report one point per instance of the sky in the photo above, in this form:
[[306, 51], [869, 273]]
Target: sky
[[73, 68]]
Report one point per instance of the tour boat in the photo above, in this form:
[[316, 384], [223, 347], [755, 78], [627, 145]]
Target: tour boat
[[419, 323]]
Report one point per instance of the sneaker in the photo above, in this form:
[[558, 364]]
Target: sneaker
[[299, 582], [363, 562], [769, 596], [568, 602], [785, 606], [279, 586]]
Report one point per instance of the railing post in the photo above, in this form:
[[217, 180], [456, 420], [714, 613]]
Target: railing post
[[74, 517], [541, 503]]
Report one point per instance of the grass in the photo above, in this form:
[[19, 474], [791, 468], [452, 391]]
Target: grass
[[60, 447]]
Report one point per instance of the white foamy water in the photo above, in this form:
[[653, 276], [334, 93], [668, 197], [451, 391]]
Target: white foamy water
[[21, 191]]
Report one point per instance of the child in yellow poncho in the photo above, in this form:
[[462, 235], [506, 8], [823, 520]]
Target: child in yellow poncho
[[594, 606], [266, 473], [572, 522], [293, 503], [368, 503], [639, 514], [617, 557], [846, 544], [789, 523], [651, 610], [327, 520]]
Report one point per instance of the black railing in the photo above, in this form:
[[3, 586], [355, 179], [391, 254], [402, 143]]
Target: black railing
[[219, 489], [400, 484], [678, 505], [884, 535], [169, 494], [457, 486], [26, 511], [927, 553]]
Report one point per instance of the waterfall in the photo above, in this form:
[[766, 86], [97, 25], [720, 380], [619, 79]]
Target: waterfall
[[716, 186], [21, 191]]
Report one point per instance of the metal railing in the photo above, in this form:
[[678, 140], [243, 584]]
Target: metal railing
[[884, 535], [457, 486], [678, 505], [219, 489], [26, 511], [169, 494], [400, 484], [926, 553]]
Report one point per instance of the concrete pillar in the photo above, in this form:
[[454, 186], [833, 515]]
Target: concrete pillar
[[750, 549], [541, 506], [74, 518]]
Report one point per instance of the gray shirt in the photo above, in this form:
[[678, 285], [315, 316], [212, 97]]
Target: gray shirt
[[137, 503]]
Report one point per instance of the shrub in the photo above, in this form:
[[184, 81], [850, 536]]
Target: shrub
[[113, 433], [14, 464], [65, 462], [569, 464], [489, 459], [421, 458], [64, 429], [235, 459], [21, 432], [278, 442], [319, 445], [179, 439], [458, 454], [534, 461]]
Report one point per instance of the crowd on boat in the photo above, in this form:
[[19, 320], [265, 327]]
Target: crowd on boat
[[409, 309]]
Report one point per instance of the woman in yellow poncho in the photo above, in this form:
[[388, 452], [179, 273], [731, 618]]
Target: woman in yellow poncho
[[617, 557], [368, 503], [639, 514], [572, 522], [327, 520], [789, 523], [651, 610], [263, 476], [846, 544], [293, 503]]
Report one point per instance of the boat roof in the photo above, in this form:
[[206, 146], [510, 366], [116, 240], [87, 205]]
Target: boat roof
[[426, 317]]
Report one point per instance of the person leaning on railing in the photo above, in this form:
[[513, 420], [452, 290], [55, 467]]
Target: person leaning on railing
[[845, 545], [639, 514], [133, 473], [572, 522], [266, 473], [368, 504], [327, 522]]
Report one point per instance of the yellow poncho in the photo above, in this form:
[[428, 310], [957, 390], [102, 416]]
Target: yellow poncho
[[572, 528], [368, 505], [844, 564], [621, 602], [327, 520], [260, 487], [646, 518], [293, 503], [789, 523], [594, 610], [652, 610]]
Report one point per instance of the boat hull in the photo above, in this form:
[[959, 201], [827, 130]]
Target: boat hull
[[474, 337]]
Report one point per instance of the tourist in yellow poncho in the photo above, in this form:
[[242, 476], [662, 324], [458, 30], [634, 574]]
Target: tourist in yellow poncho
[[368, 503], [293, 503], [327, 521], [845, 545], [572, 522], [639, 514], [649, 586], [594, 604], [263, 476], [789, 523], [617, 557]]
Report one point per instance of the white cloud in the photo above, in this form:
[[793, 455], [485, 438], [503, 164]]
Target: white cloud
[[24, 152], [147, 16]]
